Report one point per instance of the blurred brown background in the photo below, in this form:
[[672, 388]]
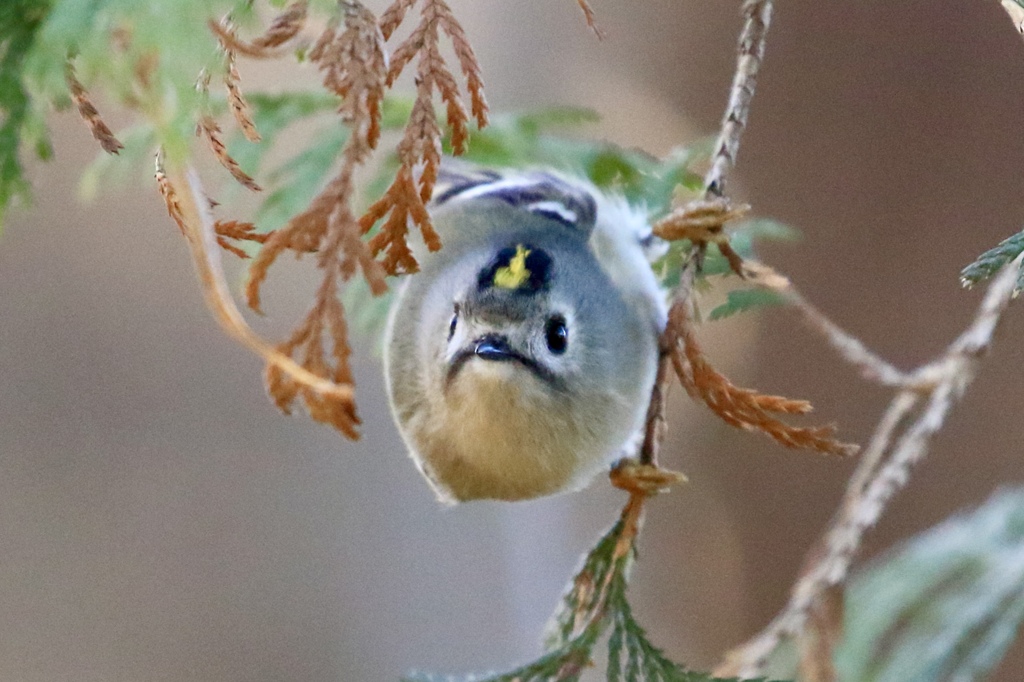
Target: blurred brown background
[[159, 520]]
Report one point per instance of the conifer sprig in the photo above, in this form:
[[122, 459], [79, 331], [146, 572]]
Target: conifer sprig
[[990, 262], [595, 605], [419, 152]]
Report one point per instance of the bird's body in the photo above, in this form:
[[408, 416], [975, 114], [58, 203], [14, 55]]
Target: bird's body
[[520, 359]]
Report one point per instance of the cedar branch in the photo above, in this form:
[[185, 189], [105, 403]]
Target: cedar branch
[[757, 18], [419, 152], [354, 65], [741, 407], [199, 231], [703, 221], [899, 442]]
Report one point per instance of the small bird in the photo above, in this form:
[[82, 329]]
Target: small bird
[[520, 359]]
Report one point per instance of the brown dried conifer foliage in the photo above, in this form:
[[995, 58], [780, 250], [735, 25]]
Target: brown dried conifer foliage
[[283, 28], [210, 129], [741, 407], [702, 223], [353, 62], [236, 100], [87, 110], [169, 194], [352, 57], [227, 230], [419, 152]]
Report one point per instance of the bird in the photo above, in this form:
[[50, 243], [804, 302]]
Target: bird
[[519, 360]]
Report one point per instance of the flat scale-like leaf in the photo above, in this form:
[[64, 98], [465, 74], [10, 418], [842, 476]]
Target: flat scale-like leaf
[[945, 606]]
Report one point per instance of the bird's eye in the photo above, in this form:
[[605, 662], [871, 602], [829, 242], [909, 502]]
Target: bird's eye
[[454, 323], [557, 334]]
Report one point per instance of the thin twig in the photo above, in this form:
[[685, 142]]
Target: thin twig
[[871, 365], [894, 417], [702, 222], [654, 429], [896, 446], [197, 223], [824, 632], [757, 17]]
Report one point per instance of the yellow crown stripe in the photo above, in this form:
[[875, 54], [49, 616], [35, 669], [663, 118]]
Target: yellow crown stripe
[[515, 274]]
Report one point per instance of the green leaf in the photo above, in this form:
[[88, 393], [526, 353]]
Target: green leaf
[[762, 229], [989, 263], [546, 120], [142, 53], [20, 21], [945, 605], [596, 566], [545, 138], [395, 111], [741, 300]]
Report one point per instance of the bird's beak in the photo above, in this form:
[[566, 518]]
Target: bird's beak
[[493, 347], [496, 348]]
